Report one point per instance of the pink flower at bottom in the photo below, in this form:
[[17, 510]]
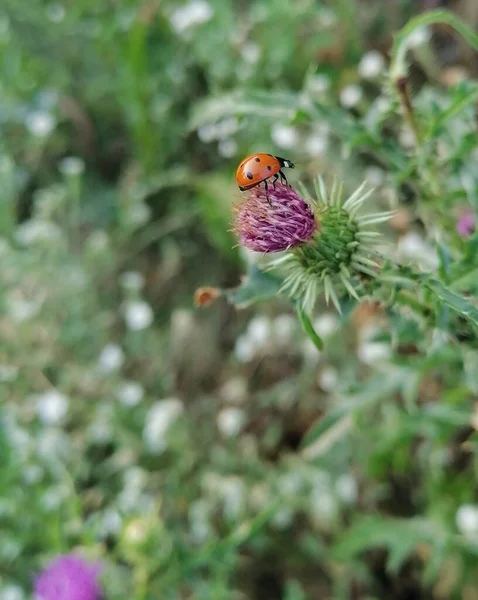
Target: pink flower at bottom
[[276, 222], [69, 577]]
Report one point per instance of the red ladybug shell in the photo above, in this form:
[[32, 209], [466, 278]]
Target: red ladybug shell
[[256, 168]]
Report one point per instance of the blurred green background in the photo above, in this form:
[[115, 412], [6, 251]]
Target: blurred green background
[[213, 453]]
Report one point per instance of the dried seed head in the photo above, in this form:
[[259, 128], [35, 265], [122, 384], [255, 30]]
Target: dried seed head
[[276, 222]]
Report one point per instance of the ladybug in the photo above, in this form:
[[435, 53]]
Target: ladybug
[[258, 168]]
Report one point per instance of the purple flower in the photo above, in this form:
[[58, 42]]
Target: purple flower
[[69, 578], [465, 225], [281, 221]]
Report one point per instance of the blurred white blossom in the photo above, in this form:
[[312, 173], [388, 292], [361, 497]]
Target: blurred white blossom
[[326, 325], [318, 84], [111, 358], [130, 393], [328, 379], [11, 592], [52, 406], [316, 144], [283, 328], [193, 13], [40, 123], [370, 351], [375, 176], [351, 96], [346, 488], [138, 315], [467, 521], [35, 231], [138, 214], [230, 421], [284, 136], [371, 65], [283, 518], [418, 37], [159, 419]]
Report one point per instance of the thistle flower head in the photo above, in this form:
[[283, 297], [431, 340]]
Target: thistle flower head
[[337, 256], [465, 225], [274, 222], [69, 578]]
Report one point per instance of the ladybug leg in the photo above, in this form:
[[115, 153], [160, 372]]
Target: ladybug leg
[[283, 178], [276, 177], [266, 186]]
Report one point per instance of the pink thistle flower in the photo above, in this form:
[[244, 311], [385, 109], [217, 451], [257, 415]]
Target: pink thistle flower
[[69, 578], [465, 225], [278, 222]]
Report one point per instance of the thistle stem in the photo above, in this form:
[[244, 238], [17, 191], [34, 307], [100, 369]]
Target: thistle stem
[[309, 328]]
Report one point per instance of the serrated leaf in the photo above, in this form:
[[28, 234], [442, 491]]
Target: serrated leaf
[[457, 303], [258, 286], [399, 537]]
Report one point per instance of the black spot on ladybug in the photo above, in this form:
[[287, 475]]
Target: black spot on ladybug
[[249, 175], [269, 168], [257, 159]]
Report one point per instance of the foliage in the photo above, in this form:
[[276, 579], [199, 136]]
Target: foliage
[[246, 450]]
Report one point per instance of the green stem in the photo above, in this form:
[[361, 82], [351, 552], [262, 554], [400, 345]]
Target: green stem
[[398, 64], [309, 328]]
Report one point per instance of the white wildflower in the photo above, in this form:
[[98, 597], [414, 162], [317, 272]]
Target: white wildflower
[[36, 231], [283, 518], [138, 214], [284, 136], [207, 133], [138, 315], [230, 421], [40, 123], [316, 144], [372, 65], [467, 521], [328, 379], [191, 14], [370, 351], [419, 37], [318, 84], [375, 176], [326, 325], [158, 421], [283, 328], [12, 592], [351, 96], [226, 127], [52, 407], [136, 531], [130, 393], [111, 358], [346, 488]]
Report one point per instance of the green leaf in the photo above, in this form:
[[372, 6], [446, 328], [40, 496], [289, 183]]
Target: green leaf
[[457, 303], [464, 95], [399, 537], [327, 430], [257, 286], [270, 105]]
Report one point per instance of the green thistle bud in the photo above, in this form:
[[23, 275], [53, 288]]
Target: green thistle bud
[[341, 251]]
